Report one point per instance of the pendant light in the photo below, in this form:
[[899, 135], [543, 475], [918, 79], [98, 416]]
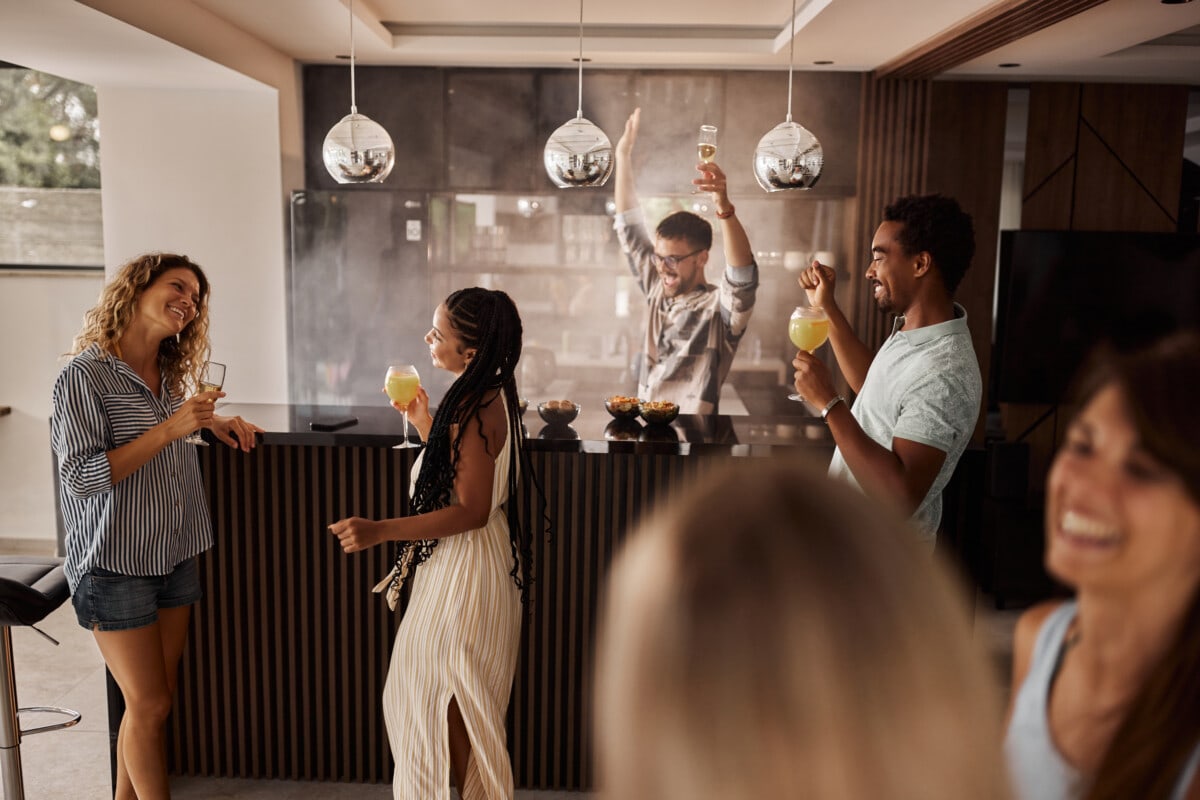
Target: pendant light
[[357, 149], [578, 153], [789, 156]]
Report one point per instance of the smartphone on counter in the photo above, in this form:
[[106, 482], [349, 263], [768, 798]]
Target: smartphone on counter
[[332, 423]]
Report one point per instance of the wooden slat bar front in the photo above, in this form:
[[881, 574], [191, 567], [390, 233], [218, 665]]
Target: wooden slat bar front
[[288, 651]]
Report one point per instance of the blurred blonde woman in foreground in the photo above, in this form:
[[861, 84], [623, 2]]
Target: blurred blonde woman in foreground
[[772, 634]]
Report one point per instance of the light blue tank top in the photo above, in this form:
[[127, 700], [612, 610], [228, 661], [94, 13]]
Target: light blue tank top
[[1037, 769]]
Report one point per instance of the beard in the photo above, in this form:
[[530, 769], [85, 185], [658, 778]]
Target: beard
[[883, 300]]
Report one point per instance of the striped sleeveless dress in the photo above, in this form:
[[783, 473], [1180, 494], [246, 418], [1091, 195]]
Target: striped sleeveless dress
[[459, 639]]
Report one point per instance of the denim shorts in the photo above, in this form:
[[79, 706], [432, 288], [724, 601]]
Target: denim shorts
[[109, 601]]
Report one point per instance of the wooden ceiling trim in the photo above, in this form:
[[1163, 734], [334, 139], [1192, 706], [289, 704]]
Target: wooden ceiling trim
[[993, 27]]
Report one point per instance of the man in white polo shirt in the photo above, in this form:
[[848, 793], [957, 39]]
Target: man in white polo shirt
[[918, 398]]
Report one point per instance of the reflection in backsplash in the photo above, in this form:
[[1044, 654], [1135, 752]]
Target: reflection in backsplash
[[368, 269]]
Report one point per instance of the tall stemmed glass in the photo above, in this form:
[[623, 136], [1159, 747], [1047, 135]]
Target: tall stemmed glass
[[808, 328], [401, 385], [706, 146], [212, 378]]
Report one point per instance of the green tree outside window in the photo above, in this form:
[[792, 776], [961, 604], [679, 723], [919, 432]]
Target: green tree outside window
[[49, 133]]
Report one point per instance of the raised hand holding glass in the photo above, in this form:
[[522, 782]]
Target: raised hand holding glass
[[706, 147]]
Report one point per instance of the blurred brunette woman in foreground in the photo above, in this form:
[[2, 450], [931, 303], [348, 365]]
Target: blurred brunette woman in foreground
[[1107, 686], [772, 635]]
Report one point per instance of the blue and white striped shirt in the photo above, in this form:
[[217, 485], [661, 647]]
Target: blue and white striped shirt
[[152, 520]]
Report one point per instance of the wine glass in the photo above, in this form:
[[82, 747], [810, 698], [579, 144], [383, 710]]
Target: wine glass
[[401, 385], [808, 328], [212, 378], [706, 147]]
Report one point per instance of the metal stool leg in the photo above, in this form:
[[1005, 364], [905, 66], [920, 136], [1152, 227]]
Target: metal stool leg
[[10, 724], [10, 728]]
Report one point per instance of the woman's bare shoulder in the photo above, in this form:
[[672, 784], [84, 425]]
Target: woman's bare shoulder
[[491, 423]]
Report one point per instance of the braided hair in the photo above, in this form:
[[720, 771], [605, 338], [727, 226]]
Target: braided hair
[[488, 322]]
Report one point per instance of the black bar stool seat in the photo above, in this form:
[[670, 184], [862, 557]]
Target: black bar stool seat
[[30, 589]]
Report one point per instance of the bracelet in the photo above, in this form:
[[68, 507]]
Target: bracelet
[[727, 214], [829, 406]]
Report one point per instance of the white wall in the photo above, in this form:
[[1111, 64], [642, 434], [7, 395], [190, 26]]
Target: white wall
[[40, 314], [190, 161], [197, 172]]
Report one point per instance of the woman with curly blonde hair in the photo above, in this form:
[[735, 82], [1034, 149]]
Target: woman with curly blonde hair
[[132, 500]]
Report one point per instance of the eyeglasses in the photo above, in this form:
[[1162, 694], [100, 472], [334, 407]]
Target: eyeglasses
[[672, 261]]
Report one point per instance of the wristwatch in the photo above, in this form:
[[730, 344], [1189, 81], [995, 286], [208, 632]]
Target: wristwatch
[[829, 406]]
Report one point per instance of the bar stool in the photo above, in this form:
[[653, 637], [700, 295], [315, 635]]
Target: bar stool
[[30, 588]]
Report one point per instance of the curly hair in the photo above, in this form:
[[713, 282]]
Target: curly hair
[[936, 224], [180, 358], [694, 229], [487, 321]]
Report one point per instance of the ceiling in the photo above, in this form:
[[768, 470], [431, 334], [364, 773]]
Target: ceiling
[[1119, 40]]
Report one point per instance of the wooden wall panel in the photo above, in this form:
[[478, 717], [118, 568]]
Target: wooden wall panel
[[1104, 157], [893, 153], [1143, 127], [1050, 143], [1125, 204], [966, 161], [1049, 206]]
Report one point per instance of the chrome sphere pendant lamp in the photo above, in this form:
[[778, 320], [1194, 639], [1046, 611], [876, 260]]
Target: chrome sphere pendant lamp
[[578, 153], [357, 149], [789, 156]]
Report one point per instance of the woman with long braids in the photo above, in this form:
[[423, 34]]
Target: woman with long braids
[[452, 667], [1106, 686]]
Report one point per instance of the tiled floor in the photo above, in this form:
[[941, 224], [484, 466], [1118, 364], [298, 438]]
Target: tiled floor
[[74, 762]]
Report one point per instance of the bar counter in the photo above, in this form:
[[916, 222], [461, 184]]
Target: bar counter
[[593, 431], [289, 648]]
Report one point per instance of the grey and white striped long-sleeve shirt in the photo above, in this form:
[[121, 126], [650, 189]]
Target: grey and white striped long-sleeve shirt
[[152, 520]]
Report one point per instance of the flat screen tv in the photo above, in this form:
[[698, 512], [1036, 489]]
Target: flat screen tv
[[1059, 293]]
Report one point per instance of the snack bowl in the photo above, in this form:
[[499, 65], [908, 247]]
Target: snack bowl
[[622, 407], [523, 405], [658, 412], [558, 412]]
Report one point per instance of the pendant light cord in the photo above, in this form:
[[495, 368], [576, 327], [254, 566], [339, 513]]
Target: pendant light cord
[[353, 99], [579, 109], [791, 59]]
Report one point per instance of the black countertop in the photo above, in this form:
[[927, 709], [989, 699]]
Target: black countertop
[[593, 431]]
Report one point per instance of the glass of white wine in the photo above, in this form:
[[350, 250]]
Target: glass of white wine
[[212, 378], [706, 146], [401, 385], [808, 328]]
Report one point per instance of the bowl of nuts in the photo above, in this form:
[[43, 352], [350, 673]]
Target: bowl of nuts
[[658, 412], [558, 412], [621, 407]]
